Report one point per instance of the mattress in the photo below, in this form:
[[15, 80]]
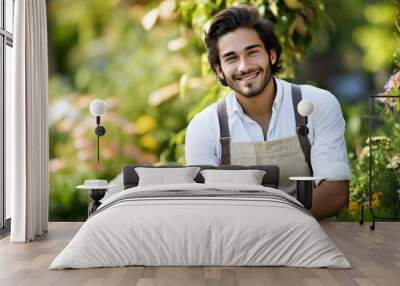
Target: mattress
[[201, 225]]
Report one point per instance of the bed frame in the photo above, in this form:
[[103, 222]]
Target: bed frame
[[270, 179]]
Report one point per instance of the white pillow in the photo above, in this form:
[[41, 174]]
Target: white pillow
[[165, 176], [248, 177], [118, 181]]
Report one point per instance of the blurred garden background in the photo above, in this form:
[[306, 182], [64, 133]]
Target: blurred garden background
[[147, 60]]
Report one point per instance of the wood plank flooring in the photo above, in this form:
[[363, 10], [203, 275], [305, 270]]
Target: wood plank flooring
[[374, 255]]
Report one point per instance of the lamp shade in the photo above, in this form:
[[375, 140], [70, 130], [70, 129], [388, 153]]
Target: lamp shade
[[305, 107], [98, 107]]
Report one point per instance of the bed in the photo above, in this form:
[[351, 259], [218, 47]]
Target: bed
[[201, 224]]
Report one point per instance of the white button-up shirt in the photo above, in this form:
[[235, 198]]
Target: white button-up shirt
[[326, 125]]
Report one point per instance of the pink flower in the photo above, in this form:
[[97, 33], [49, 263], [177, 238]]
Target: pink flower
[[56, 164], [393, 82], [392, 88]]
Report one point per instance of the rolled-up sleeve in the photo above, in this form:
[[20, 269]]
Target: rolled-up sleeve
[[328, 151], [200, 140]]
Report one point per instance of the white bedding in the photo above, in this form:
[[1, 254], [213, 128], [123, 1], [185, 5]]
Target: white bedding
[[182, 231]]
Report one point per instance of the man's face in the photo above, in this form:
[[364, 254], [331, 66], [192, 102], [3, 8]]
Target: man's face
[[245, 63]]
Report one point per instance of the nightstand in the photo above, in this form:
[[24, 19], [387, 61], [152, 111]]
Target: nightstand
[[304, 190], [96, 191]]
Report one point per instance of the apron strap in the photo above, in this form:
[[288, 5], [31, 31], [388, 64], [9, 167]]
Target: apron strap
[[224, 137], [301, 121]]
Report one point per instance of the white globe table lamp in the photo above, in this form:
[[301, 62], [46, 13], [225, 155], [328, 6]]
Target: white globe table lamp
[[98, 109], [304, 185], [305, 108]]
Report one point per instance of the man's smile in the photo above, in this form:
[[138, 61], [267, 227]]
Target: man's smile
[[248, 76]]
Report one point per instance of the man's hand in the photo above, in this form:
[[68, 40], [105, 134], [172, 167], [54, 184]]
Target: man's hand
[[329, 197]]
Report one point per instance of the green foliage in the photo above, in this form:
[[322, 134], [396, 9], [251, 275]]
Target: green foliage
[[103, 49], [379, 38], [385, 162], [356, 119]]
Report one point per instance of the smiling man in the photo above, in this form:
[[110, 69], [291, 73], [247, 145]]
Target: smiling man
[[257, 123]]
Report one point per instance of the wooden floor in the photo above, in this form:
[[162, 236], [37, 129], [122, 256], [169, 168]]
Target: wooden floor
[[375, 256]]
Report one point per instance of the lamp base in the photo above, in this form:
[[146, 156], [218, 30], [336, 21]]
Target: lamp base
[[305, 193], [96, 195]]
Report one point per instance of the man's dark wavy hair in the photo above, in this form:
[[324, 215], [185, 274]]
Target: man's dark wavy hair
[[241, 16]]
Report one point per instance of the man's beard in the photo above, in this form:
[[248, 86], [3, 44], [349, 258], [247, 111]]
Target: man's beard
[[255, 90]]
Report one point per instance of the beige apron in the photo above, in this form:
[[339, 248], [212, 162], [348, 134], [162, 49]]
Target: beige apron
[[289, 154]]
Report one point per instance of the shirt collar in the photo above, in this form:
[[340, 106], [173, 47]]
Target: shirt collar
[[237, 108], [278, 95]]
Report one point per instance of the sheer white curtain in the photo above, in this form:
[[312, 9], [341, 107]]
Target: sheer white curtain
[[26, 124]]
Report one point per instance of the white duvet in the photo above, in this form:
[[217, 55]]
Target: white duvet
[[183, 231]]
